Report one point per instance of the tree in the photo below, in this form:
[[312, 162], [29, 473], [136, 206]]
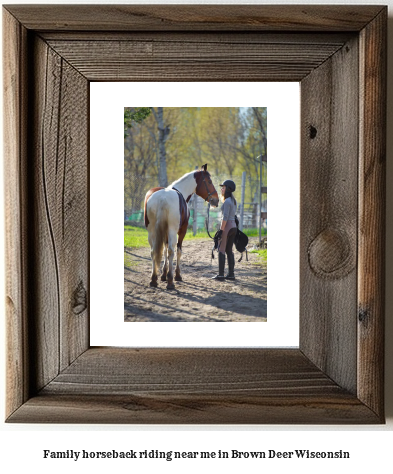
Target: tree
[[163, 133], [139, 165], [252, 144], [137, 115], [171, 141], [260, 115]]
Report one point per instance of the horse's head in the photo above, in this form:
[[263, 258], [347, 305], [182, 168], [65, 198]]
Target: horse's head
[[205, 187]]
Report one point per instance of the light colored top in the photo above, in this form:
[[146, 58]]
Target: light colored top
[[228, 209]]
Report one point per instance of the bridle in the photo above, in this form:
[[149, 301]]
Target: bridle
[[209, 195], [208, 199], [215, 238]]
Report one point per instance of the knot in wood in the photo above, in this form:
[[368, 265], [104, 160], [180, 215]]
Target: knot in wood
[[313, 132], [363, 315], [330, 254], [80, 299]]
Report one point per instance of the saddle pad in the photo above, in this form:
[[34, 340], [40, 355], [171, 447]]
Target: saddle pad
[[183, 209]]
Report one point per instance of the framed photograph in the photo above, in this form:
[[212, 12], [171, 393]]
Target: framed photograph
[[202, 129], [52, 55], [173, 209]]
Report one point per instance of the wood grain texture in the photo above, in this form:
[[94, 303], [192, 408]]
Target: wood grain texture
[[329, 173], [186, 371], [201, 37], [239, 409], [182, 60], [195, 17], [52, 374], [193, 386], [371, 260], [14, 75], [61, 213]]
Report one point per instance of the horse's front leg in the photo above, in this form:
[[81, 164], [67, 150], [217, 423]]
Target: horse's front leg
[[165, 266], [182, 233]]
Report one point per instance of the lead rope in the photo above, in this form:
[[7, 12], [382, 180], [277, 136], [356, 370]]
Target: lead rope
[[207, 221], [208, 233]]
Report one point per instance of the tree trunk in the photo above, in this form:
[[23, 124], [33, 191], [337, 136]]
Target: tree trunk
[[163, 133]]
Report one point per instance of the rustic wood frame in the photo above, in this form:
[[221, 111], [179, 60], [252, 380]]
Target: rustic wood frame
[[339, 56]]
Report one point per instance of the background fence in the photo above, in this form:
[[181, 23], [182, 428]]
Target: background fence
[[249, 212]]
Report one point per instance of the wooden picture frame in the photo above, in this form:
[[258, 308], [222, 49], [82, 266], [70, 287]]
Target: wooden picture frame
[[338, 54]]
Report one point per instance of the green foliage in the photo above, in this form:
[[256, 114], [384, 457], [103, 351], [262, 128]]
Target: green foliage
[[136, 115], [228, 139]]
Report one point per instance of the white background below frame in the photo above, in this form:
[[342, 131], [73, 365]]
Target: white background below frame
[[107, 326]]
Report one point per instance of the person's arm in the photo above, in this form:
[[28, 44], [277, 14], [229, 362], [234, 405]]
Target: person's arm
[[225, 214]]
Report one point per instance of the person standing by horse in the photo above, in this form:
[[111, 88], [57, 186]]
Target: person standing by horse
[[227, 232]]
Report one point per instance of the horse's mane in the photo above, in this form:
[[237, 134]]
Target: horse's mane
[[181, 179]]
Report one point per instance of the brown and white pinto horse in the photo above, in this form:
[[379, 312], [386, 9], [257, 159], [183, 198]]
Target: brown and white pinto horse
[[167, 215]]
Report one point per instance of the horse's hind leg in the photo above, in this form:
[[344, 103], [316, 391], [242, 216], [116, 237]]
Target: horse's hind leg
[[165, 266], [178, 276], [182, 233], [172, 237], [153, 280]]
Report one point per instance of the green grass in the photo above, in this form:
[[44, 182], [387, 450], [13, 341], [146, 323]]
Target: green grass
[[254, 232], [136, 237], [201, 234], [262, 254]]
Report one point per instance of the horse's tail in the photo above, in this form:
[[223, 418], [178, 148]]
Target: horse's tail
[[148, 194]]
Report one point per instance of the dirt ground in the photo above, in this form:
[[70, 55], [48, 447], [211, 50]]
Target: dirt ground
[[197, 298]]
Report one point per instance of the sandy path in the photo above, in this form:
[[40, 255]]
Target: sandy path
[[197, 298]]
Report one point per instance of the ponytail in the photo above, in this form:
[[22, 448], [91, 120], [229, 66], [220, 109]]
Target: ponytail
[[229, 194]]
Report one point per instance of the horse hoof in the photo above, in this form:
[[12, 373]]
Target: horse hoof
[[170, 287], [153, 284], [178, 278], [163, 277]]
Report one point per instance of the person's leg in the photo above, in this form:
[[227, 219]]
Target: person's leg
[[230, 254], [221, 255], [221, 267]]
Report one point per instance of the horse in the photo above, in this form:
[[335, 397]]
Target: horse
[[167, 216]]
